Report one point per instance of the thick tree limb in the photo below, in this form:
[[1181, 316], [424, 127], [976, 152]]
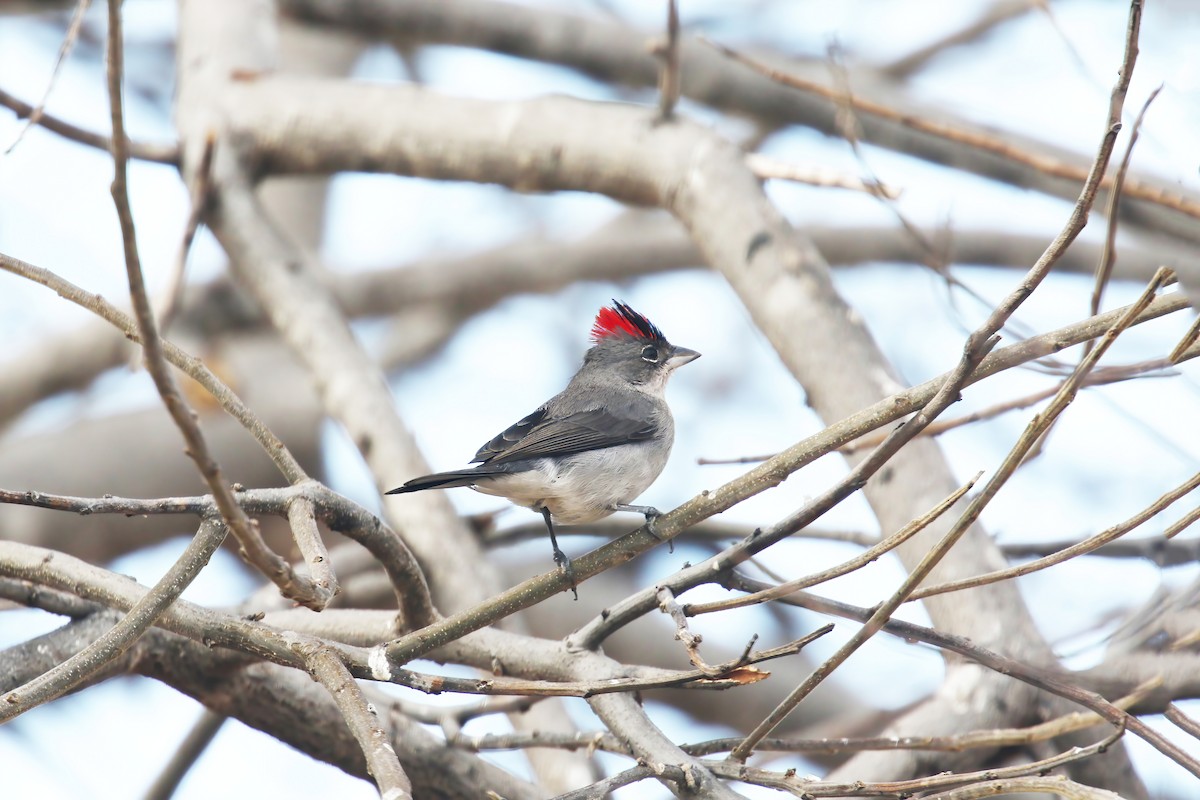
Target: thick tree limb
[[285, 703], [609, 51]]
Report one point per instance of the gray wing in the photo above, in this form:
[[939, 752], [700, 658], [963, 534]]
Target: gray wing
[[538, 435]]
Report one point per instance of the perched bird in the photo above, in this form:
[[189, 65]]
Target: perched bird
[[591, 449]]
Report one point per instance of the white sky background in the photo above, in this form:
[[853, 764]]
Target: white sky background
[[1115, 451]]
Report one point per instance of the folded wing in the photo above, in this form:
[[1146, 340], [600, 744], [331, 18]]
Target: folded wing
[[539, 435]]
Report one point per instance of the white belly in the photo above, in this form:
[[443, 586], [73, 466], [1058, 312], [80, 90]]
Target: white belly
[[583, 487]]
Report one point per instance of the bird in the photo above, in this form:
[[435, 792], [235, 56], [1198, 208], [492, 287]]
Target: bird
[[595, 446]]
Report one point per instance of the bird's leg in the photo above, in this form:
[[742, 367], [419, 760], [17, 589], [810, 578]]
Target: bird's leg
[[651, 514], [560, 558]]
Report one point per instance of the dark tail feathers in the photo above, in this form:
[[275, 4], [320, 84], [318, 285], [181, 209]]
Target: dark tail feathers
[[440, 480]]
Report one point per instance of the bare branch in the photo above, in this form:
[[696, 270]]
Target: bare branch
[[1057, 785], [189, 364], [605, 788], [1017, 454], [449, 290], [976, 139], [869, 556], [996, 737], [173, 294], [809, 788], [667, 51], [288, 705], [142, 615], [158, 153], [1088, 545], [193, 746], [64, 50], [881, 614], [351, 387], [1042, 679], [300, 514], [339, 513], [1104, 268], [360, 717], [1182, 720], [611, 51], [994, 15], [766, 167], [1184, 350]]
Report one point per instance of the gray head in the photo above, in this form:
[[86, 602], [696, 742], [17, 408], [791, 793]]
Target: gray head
[[631, 348]]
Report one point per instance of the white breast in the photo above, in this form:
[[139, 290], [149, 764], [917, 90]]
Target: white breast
[[583, 487]]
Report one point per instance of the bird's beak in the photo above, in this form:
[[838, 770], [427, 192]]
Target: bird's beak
[[681, 356]]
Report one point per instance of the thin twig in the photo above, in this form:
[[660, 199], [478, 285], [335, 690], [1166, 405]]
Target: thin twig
[[143, 151], [991, 17], [302, 519], [1182, 720], [769, 168], [251, 545], [173, 294], [978, 140], [731, 668], [906, 788], [944, 425], [189, 751], [881, 614], [683, 634], [1080, 548], [141, 616], [1099, 377], [1182, 524], [189, 364], [729, 675], [975, 348], [934, 257], [1052, 682], [1109, 254], [732, 674], [525, 740], [667, 51], [604, 788], [1058, 785], [867, 557], [338, 512], [991, 738], [361, 719], [1179, 351], [64, 50]]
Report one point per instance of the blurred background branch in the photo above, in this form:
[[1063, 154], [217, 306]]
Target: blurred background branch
[[406, 212]]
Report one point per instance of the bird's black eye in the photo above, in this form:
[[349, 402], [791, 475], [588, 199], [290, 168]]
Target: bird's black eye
[[650, 353]]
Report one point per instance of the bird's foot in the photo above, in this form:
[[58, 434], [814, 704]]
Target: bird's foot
[[651, 514], [565, 567], [560, 558]]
